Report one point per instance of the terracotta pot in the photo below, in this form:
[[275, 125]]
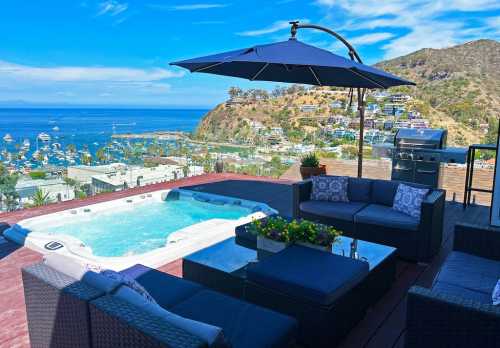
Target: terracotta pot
[[307, 172], [219, 166]]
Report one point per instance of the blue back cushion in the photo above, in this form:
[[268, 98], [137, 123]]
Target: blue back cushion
[[383, 192], [359, 190]]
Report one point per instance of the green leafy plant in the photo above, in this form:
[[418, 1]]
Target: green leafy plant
[[310, 160], [41, 198], [294, 231], [37, 175]]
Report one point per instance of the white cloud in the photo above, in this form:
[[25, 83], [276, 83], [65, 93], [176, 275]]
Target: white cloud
[[190, 7], [419, 23], [371, 38], [76, 73], [80, 84], [276, 26], [111, 7]]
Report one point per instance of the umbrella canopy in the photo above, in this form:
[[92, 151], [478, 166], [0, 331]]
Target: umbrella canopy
[[295, 62]]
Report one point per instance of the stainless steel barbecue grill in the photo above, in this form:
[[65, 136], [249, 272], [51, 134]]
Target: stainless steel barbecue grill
[[419, 154]]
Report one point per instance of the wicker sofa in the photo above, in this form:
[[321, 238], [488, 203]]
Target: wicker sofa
[[457, 311], [65, 312], [369, 216]]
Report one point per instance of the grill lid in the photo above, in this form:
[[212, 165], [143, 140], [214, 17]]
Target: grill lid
[[422, 136]]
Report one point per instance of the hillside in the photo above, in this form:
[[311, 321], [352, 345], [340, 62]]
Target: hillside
[[457, 88], [459, 84]]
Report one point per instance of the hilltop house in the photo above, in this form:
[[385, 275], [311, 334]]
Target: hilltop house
[[379, 96], [337, 104], [399, 98], [308, 108], [419, 123], [414, 114], [372, 108], [388, 125], [402, 124], [393, 109]]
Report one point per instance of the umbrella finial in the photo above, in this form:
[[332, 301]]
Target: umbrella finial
[[293, 30]]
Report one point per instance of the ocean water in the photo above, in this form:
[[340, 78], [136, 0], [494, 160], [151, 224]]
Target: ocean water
[[90, 127], [142, 228]]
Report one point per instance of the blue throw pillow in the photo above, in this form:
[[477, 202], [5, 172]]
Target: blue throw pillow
[[329, 188], [130, 282], [212, 335], [408, 200], [496, 294]]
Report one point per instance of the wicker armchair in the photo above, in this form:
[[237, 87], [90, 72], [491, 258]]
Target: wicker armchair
[[437, 318]]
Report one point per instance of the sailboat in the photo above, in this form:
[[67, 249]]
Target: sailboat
[[26, 144], [44, 137]]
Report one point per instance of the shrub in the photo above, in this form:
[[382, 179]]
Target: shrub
[[37, 175], [310, 160], [279, 229]]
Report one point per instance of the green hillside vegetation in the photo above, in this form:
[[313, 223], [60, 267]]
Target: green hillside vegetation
[[457, 88]]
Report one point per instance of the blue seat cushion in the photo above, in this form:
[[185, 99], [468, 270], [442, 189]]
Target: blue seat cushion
[[308, 274], [381, 215], [359, 190], [473, 275], [337, 210], [167, 290], [244, 325]]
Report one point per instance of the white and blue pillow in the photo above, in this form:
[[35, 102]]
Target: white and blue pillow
[[125, 280], [330, 188], [495, 297], [408, 200]]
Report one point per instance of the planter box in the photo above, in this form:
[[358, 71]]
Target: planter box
[[327, 248], [270, 245]]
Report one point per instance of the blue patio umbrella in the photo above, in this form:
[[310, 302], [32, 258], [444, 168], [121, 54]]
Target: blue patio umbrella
[[296, 62]]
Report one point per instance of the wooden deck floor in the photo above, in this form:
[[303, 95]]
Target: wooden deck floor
[[383, 326]]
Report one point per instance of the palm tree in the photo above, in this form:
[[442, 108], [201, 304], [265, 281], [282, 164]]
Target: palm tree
[[101, 155], [40, 198]]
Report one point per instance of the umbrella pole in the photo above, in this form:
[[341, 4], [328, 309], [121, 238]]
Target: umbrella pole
[[361, 109]]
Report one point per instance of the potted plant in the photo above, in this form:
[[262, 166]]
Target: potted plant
[[310, 166], [272, 234], [276, 233]]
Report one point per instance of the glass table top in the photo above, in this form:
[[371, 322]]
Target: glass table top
[[229, 257]]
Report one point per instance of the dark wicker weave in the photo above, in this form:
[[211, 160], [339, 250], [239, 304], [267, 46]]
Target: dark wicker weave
[[325, 326], [57, 308], [483, 242], [419, 245], [437, 320], [116, 323]]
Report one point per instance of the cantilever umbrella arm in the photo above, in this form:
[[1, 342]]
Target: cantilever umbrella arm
[[361, 91]]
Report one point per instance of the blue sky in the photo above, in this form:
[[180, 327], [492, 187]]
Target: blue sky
[[116, 52]]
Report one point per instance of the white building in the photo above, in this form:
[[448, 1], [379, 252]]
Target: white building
[[57, 190], [83, 174], [399, 98], [419, 123], [140, 176], [308, 108]]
